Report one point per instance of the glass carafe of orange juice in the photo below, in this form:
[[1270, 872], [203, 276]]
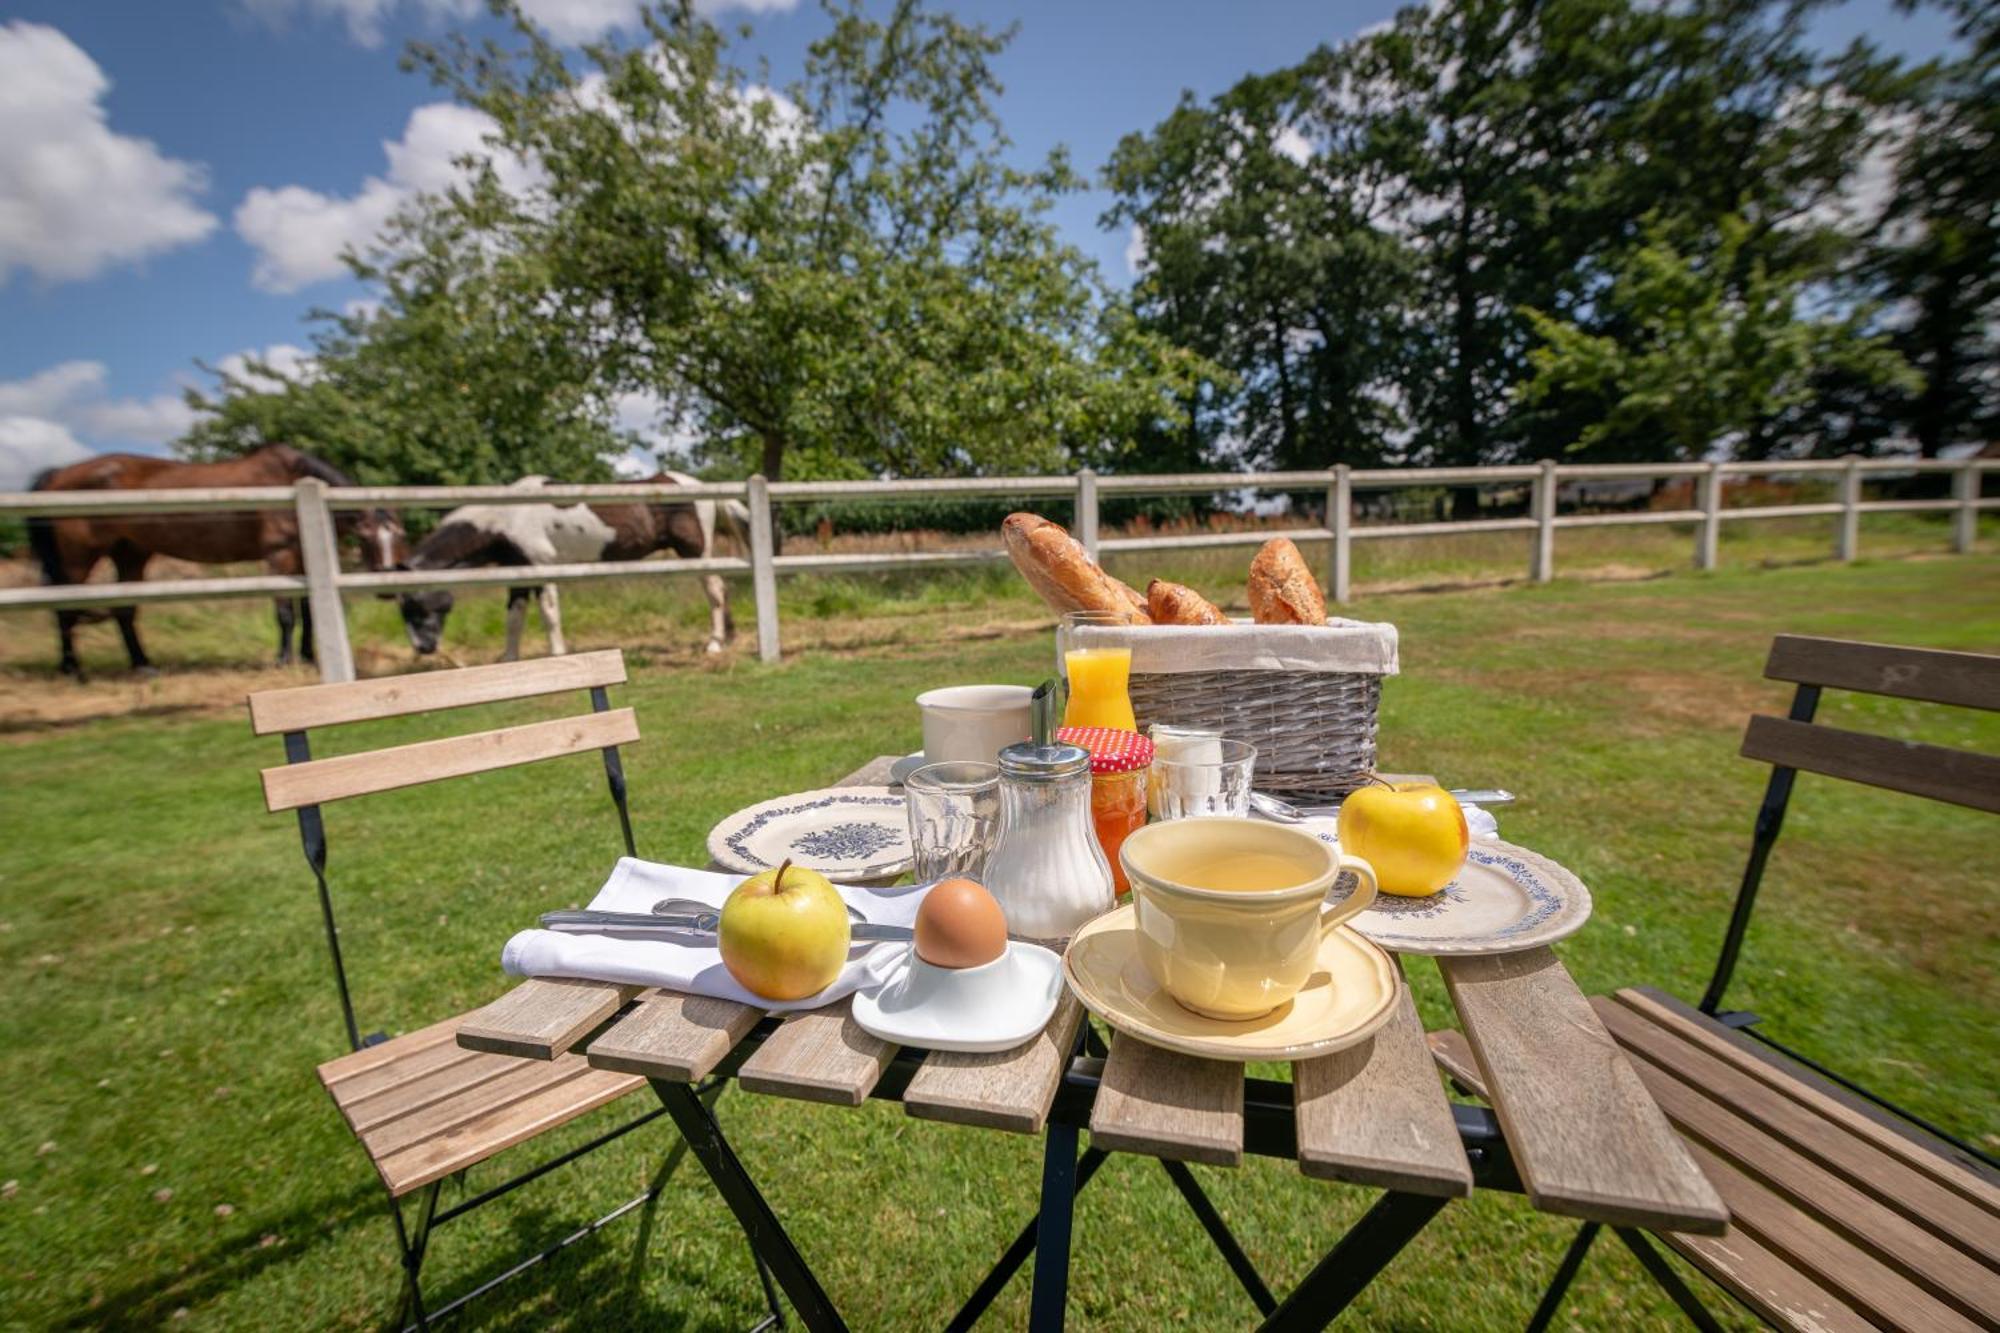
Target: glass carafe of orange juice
[[1099, 676]]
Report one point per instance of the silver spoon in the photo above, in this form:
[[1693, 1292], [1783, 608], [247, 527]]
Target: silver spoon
[[1286, 812], [706, 923]]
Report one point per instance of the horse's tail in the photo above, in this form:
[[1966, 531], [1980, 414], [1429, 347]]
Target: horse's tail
[[735, 515], [42, 535]]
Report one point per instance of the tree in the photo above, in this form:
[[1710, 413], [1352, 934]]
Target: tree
[[1470, 161], [1716, 350], [1935, 250], [842, 277], [451, 378]]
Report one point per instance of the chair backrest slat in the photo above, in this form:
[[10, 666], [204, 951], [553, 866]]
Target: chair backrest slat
[[307, 706], [316, 781], [1961, 777], [1968, 680]]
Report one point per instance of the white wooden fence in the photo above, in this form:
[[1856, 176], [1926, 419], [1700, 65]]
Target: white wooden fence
[[324, 582]]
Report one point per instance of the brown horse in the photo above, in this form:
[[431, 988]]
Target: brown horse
[[69, 548]]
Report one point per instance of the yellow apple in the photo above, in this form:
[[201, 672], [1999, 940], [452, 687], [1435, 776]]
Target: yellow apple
[[784, 933], [1413, 833]]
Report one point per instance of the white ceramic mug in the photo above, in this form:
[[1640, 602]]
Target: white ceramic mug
[[973, 722]]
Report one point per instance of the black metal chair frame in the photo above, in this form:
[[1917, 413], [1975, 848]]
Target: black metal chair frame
[[414, 1241], [1770, 821]]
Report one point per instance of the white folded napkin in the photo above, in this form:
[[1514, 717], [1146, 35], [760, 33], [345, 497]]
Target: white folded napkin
[[636, 885]]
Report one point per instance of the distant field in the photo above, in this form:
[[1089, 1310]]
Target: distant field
[[165, 1149], [216, 649]]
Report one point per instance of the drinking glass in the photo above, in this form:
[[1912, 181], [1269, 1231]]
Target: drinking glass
[[954, 818], [1206, 776], [1098, 677]]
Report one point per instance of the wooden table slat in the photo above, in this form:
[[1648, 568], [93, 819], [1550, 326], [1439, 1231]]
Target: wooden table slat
[[1376, 1114], [821, 1055], [1010, 1090], [1166, 1104], [673, 1036], [542, 1017], [1587, 1138]]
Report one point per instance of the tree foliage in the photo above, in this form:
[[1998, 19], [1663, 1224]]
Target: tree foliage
[[1713, 350]]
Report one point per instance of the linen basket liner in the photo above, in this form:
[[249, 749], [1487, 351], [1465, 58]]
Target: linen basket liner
[[1358, 646]]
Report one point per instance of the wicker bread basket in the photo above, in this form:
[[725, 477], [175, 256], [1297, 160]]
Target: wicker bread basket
[[1304, 695]]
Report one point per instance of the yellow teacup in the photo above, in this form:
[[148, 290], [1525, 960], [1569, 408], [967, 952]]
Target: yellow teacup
[[1230, 912]]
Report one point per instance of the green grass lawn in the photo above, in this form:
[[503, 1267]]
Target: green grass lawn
[[165, 1147]]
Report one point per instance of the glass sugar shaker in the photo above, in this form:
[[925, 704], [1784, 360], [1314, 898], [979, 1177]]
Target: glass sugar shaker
[[1047, 871]]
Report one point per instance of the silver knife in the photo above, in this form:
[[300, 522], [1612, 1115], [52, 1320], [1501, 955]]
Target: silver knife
[[707, 923]]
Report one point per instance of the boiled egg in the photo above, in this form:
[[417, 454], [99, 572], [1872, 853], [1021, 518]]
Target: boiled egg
[[959, 925]]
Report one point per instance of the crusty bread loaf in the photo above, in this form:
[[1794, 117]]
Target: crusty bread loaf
[[1282, 590], [1056, 566], [1178, 604]]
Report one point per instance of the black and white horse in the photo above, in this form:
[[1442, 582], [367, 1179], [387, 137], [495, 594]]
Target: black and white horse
[[546, 534]]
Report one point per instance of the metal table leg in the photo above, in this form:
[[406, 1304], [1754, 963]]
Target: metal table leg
[[767, 1236], [1051, 1296], [1351, 1265]]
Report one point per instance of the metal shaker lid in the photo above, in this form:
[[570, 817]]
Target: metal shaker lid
[[1026, 761]]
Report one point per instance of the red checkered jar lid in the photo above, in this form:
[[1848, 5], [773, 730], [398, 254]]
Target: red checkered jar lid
[[1111, 750]]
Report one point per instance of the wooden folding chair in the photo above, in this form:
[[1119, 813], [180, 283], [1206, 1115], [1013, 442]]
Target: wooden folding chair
[[1848, 1212], [423, 1107]]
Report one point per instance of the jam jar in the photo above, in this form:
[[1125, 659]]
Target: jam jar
[[1118, 763]]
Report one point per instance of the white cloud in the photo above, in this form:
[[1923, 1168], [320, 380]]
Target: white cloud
[[284, 360], [299, 233], [567, 21], [29, 444], [76, 198], [69, 399]]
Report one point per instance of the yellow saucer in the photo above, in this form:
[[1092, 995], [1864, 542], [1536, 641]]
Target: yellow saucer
[[1351, 992]]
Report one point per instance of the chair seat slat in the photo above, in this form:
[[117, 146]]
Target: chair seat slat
[[1946, 1272], [1934, 675], [1858, 1161], [304, 707], [321, 780], [1913, 767], [477, 1139], [1750, 1058]]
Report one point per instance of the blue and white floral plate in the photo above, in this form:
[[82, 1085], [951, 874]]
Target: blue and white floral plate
[[842, 832], [1506, 899]]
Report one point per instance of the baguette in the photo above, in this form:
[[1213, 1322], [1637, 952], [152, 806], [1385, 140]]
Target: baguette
[[1282, 590], [1177, 604], [1057, 567]]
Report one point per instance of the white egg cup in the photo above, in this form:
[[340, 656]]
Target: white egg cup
[[993, 1007]]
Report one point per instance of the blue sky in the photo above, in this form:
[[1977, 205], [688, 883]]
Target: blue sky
[[176, 175]]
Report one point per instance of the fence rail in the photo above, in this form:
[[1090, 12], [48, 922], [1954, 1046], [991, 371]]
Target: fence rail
[[324, 582]]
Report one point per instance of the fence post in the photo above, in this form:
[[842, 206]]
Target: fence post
[[763, 574], [1965, 522], [1708, 536], [1339, 504], [1849, 540], [1542, 566], [319, 546], [1086, 510]]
